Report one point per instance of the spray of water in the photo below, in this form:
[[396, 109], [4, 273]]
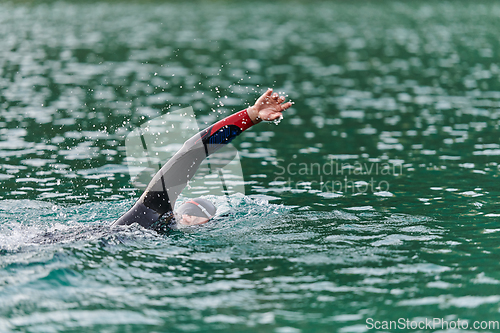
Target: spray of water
[[277, 121]]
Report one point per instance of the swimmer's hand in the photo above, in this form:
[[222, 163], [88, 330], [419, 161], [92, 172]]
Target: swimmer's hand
[[268, 107]]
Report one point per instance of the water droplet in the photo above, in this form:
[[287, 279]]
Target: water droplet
[[278, 120]]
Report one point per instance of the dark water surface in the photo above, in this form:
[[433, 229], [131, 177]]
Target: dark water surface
[[375, 197]]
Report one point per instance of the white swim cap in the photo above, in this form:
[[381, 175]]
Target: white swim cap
[[197, 207]]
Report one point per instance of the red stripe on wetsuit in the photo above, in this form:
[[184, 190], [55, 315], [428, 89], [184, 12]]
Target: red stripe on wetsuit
[[240, 119]]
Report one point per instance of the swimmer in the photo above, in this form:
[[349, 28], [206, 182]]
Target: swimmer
[[154, 209]]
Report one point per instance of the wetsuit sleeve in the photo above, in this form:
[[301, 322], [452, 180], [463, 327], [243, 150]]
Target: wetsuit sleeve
[[159, 198]]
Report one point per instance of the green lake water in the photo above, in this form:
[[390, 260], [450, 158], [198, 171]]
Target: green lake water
[[375, 198]]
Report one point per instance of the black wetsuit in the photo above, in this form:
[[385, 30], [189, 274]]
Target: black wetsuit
[[156, 203]]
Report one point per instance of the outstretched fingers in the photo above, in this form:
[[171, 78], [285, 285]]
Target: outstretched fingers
[[277, 98], [264, 98], [285, 106], [270, 105], [279, 102], [268, 93]]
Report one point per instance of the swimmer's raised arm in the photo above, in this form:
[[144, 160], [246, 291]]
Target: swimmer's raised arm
[[158, 200]]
